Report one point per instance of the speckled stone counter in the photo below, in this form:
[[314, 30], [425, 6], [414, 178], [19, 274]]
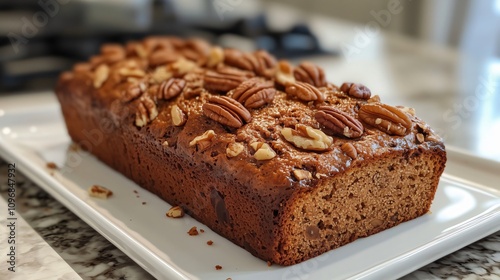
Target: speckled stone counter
[[91, 256]]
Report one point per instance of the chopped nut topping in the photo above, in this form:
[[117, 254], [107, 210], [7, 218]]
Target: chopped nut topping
[[320, 175], [182, 66], [284, 75], [175, 212], [132, 72], [99, 192], [210, 242], [407, 110], [307, 138], [301, 174], [165, 143], [262, 151], [193, 231], [349, 150], [205, 137], [420, 138], [101, 75], [374, 99], [234, 149], [178, 116], [160, 74], [215, 57]]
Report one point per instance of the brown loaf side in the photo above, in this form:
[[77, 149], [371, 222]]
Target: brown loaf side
[[265, 206]]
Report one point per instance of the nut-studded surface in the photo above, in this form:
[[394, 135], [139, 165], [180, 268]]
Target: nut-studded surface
[[283, 200]]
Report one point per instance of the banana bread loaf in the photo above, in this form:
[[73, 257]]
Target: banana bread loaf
[[269, 155]]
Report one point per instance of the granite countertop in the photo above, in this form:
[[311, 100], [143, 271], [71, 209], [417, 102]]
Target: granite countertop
[[91, 256]]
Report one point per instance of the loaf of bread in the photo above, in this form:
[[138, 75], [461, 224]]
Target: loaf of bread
[[269, 155]]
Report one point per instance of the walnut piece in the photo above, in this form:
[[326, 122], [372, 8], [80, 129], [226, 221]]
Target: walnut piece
[[234, 149], [205, 137], [386, 118], [160, 74], [175, 212], [420, 138], [178, 116], [262, 151], [301, 174], [132, 72], [101, 75], [99, 192], [215, 57], [193, 231], [307, 138], [182, 66]]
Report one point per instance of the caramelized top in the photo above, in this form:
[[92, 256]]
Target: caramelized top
[[252, 116]]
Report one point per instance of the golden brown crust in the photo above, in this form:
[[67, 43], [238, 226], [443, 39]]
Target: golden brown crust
[[263, 162]]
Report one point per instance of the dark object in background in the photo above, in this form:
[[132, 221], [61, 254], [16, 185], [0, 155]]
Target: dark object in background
[[38, 41]]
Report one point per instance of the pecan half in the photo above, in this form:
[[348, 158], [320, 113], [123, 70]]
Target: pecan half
[[307, 138], [146, 111], [265, 63], [224, 79], [356, 90], [339, 122], [260, 62], [305, 92], [112, 53], [386, 118], [226, 111], [254, 93], [171, 88], [308, 72]]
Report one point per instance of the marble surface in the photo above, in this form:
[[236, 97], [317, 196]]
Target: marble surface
[[91, 256]]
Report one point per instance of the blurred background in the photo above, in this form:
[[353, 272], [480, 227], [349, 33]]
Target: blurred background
[[441, 57]]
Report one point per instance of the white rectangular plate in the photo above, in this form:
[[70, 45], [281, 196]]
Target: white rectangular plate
[[32, 133]]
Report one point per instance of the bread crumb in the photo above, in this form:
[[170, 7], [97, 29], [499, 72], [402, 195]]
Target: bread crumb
[[135, 191], [202, 230], [210, 242], [143, 203], [269, 263], [51, 165], [193, 231], [229, 279], [74, 147], [218, 267], [99, 192]]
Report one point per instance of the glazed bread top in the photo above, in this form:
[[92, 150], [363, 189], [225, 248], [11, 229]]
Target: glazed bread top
[[274, 126]]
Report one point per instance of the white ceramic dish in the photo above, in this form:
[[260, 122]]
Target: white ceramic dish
[[32, 133]]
